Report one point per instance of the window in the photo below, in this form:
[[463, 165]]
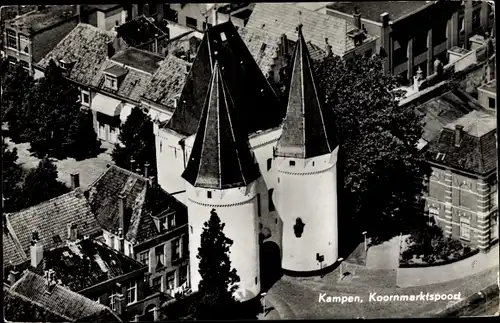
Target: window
[[57, 239], [183, 272], [171, 221], [24, 44], [465, 228], [191, 22], [97, 300], [269, 163], [263, 47], [144, 258], [494, 227], [131, 292], [11, 39], [476, 23], [292, 163], [209, 194], [270, 198], [160, 145], [111, 82], [465, 198], [157, 284], [112, 302], [433, 211], [494, 197], [85, 97], [12, 62], [170, 14], [176, 249], [258, 204], [171, 281], [206, 25], [491, 103], [160, 256], [298, 228]]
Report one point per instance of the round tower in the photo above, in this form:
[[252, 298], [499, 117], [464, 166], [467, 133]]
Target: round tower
[[221, 175], [306, 159]]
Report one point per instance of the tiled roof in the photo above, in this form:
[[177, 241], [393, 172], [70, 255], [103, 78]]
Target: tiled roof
[[269, 21], [443, 109], [138, 31], [372, 10], [41, 19], [60, 301], [167, 82], [104, 201], [220, 158], [477, 152], [309, 127], [130, 86], [50, 219], [87, 47], [85, 263], [255, 99]]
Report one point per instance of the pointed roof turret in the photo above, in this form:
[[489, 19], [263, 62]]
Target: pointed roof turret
[[220, 158], [309, 127]]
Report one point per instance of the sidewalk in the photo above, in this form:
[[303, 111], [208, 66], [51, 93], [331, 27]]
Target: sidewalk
[[408, 277], [385, 255]]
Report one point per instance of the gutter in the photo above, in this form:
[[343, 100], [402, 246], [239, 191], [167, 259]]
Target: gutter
[[119, 278], [162, 235], [479, 176]]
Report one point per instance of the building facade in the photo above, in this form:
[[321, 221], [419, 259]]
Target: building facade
[[442, 25]]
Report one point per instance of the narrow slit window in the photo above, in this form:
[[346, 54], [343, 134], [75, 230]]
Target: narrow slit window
[[292, 163], [209, 194]]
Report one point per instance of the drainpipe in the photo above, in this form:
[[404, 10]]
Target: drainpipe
[[182, 143]]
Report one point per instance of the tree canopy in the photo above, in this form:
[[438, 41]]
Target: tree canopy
[[215, 291], [11, 174], [380, 162], [137, 142]]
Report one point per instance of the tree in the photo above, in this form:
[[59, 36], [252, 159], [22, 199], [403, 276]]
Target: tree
[[11, 174], [40, 184], [52, 118], [218, 281], [379, 159], [15, 82], [137, 142]]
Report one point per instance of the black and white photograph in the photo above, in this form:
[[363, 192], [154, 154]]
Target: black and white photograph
[[186, 161]]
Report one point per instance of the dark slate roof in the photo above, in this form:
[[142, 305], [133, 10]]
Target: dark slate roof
[[443, 109], [254, 98], [50, 219], [138, 31], [220, 158], [477, 152], [13, 252], [372, 10], [139, 59], [309, 127], [168, 81], [85, 263], [40, 19], [104, 201], [32, 291], [104, 7], [87, 47], [269, 21]]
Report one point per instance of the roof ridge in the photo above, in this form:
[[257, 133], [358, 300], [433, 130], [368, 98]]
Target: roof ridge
[[13, 234], [72, 192]]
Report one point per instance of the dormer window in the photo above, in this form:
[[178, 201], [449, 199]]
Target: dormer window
[[358, 36], [65, 65], [113, 75], [111, 82]]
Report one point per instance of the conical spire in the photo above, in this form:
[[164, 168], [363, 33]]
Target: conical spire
[[221, 157], [309, 128]]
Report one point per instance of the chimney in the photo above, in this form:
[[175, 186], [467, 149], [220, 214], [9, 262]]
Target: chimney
[[121, 210], [75, 180], [156, 44], [384, 18], [356, 18], [459, 134], [328, 47], [72, 231], [50, 281], [36, 249], [132, 162], [146, 168], [438, 67]]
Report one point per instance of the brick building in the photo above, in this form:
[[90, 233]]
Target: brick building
[[29, 37], [413, 34], [463, 188]]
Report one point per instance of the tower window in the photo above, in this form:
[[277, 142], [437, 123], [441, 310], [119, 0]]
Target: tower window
[[269, 163], [270, 200], [258, 204], [313, 163], [255, 280], [298, 228], [292, 163], [209, 194]]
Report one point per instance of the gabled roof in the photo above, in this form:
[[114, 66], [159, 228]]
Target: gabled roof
[[138, 31], [50, 219], [85, 263], [477, 152], [269, 21], [256, 101], [87, 47], [166, 84], [104, 201], [309, 127], [220, 158], [61, 302]]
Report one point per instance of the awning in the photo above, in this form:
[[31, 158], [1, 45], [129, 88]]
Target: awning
[[106, 105], [125, 112]]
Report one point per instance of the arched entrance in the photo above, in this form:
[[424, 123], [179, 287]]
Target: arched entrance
[[270, 264]]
